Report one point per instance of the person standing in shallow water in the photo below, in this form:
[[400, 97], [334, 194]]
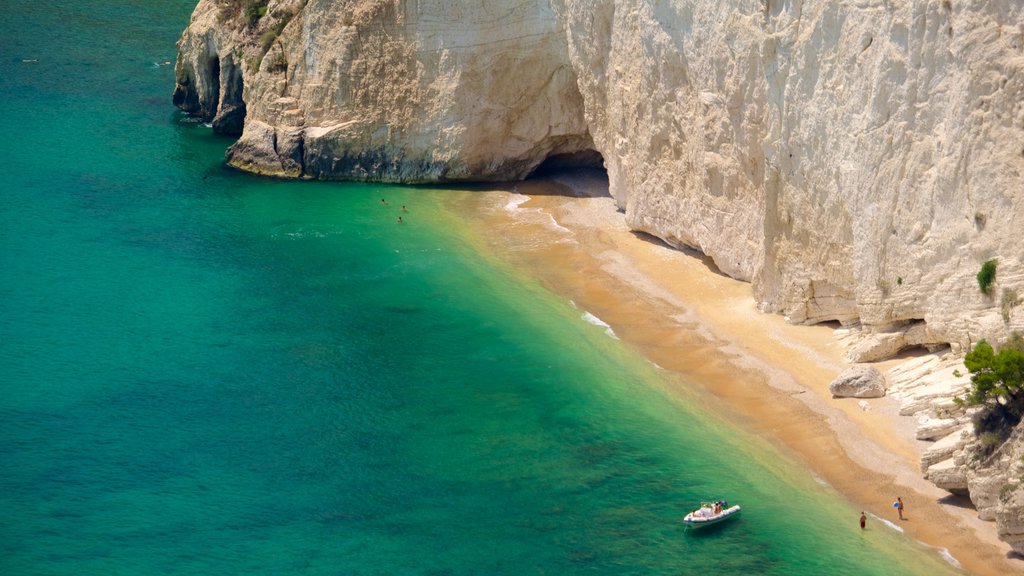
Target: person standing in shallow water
[[863, 520]]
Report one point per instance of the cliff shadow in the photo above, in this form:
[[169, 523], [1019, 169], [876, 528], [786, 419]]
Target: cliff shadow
[[957, 501], [574, 175], [704, 259]]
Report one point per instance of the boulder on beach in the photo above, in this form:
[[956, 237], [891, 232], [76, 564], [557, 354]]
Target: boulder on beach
[[858, 382]]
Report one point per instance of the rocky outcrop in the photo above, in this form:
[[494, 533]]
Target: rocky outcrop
[[1010, 515], [995, 485], [387, 90], [986, 468], [858, 382]]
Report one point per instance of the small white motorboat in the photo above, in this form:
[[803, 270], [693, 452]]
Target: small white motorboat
[[711, 513]]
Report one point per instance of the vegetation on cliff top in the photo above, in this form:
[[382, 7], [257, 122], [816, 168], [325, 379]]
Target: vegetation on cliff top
[[997, 384], [251, 10]]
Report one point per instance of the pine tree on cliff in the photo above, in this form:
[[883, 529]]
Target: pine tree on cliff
[[997, 382]]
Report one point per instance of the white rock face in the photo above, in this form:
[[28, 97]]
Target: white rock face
[[857, 161], [948, 475], [831, 152], [1010, 516], [422, 91]]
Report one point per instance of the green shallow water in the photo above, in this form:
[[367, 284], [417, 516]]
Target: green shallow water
[[204, 372]]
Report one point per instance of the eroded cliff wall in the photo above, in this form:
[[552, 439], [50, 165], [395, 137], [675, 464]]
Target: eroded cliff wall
[[418, 91], [856, 160]]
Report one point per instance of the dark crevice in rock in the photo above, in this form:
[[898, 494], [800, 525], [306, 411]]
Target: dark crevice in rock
[[566, 161], [213, 97], [230, 117], [185, 95]]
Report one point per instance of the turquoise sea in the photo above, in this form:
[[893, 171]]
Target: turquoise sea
[[205, 372]]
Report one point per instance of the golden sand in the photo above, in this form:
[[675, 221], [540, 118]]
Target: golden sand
[[760, 373]]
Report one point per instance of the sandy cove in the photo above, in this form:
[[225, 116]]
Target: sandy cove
[[759, 372]]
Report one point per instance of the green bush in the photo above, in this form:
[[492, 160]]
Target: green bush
[[266, 40], [987, 276], [990, 441], [254, 10], [268, 37], [997, 384], [996, 375]]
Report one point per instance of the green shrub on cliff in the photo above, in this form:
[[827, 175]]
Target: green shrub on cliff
[[250, 10], [996, 375], [987, 276], [997, 383], [271, 35], [254, 10]]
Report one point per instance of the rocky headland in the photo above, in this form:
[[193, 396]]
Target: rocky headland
[[856, 161]]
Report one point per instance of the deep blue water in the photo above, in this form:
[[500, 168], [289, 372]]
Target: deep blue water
[[205, 372]]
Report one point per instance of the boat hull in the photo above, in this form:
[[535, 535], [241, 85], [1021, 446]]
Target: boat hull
[[697, 519]]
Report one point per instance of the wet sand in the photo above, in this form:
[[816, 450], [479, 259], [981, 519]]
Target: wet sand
[[677, 310]]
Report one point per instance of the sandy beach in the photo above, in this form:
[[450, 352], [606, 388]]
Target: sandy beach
[[754, 369]]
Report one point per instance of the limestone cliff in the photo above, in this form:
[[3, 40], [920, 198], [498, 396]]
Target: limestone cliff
[[855, 160], [419, 91]]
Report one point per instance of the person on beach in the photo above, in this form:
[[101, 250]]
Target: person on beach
[[863, 520], [899, 506]]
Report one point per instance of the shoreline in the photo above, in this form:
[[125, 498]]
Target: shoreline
[[760, 373]]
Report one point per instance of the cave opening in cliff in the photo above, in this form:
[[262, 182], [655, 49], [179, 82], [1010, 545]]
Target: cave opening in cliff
[[230, 117], [588, 159], [213, 74]]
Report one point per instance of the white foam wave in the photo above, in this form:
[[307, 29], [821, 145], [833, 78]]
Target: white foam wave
[[554, 224], [514, 205], [515, 202], [888, 523], [591, 319], [821, 481], [949, 558]]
